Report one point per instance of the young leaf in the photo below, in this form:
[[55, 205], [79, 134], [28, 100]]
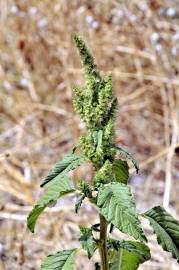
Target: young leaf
[[116, 204], [166, 228], [129, 255], [100, 138], [62, 260], [56, 189], [129, 157], [121, 170], [86, 240], [97, 137], [69, 163], [79, 203]]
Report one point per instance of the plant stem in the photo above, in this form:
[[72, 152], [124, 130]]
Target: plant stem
[[120, 257], [103, 248]]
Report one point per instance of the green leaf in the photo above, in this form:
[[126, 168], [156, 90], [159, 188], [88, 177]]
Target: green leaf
[[121, 170], [129, 157], [56, 189], [100, 138], [87, 241], [129, 256], [116, 204], [69, 163], [62, 260], [79, 203], [166, 228]]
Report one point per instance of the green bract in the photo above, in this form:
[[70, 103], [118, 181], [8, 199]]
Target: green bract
[[108, 189]]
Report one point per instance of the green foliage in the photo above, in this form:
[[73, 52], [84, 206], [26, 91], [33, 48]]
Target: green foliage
[[60, 186], [62, 260], [108, 190], [128, 156], [97, 108], [85, 191], [166, 228], [79, 203], [69, 163], [105, 173], [116, 204], [87, 241], [128, 255], [99, 139], [121, 170]]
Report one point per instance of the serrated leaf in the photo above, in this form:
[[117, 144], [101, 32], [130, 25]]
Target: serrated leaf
[[121, 170], [79, 203], [62, 260], [129, 256], [117, 205], [166, 229], [129, 157], [86, 240], [56, 189], [69, 163]]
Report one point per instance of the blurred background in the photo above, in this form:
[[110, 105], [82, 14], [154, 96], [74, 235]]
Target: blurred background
[[137, 41]]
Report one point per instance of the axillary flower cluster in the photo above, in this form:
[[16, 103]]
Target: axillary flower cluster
[[97, 107]]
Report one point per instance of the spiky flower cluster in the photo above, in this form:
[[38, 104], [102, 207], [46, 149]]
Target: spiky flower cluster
[[97, 108], [105, 173]]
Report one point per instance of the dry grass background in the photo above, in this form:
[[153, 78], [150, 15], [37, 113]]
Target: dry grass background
[[138, 42]]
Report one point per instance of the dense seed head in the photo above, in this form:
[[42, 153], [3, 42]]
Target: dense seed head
[[96, 106]]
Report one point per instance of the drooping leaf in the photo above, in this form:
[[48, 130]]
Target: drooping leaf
[[87, 241], [129, 255], [121, 170], [129, 157], [116, 204], [56, 189], [166, 229], [69, 163], [62, 260], [79, 203]]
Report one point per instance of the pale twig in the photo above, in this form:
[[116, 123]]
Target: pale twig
[[50, 108], [12, 216], [133, 95], [5, 187], [39, 142], [21, 123], [168, 181], [136, 52], [14, 173], [125, 75], [156, 157]]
